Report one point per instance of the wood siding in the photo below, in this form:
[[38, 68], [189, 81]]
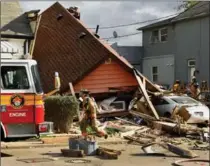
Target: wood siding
[[106, 76]]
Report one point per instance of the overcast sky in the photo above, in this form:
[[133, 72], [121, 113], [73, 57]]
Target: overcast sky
[[110, 13]]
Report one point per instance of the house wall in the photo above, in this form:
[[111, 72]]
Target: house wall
[[186, 40], [106, 76], [165, 66], [159, 48], [192, 42]]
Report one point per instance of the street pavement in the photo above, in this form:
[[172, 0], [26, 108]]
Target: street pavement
[[132, 155]]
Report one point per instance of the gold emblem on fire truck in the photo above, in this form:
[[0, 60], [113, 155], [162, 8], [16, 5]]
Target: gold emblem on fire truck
[[17, 101]]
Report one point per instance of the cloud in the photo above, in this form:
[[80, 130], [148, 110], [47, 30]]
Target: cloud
[[110, 13]]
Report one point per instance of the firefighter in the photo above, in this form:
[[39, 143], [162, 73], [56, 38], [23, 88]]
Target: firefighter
[[195, 90], [89, 115], [204, 86], [176, 86], [194, 81]]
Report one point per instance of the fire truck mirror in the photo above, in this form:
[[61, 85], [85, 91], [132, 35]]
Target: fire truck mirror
[[57, 81]]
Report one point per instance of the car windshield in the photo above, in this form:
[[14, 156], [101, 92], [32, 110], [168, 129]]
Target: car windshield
[[185, 100]]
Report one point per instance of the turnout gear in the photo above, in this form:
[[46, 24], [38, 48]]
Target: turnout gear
[[89, 118], [177, 87]]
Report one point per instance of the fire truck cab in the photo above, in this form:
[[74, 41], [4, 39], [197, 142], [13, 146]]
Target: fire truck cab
[[21, 100]]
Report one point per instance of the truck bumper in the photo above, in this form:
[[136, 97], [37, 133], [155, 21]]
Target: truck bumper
[[46, 128]]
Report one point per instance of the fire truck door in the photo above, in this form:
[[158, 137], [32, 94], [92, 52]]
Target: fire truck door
[[17, 95]]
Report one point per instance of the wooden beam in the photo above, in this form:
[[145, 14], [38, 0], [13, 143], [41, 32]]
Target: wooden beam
[[144, 82], [146, 96], [51, 92], [72, 153], [73, 94], [35, 34], [149, 85], [72, 89]]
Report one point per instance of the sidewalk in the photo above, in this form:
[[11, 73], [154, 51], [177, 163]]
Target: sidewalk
[[55, 142]]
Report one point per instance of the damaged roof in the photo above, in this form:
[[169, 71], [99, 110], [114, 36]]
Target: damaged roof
[[19, 26], [64, 44], [200, 9]]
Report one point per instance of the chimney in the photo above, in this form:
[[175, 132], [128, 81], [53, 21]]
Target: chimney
[[75, 12]]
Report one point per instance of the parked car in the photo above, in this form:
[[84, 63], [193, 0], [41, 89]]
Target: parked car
[[199, 111], [166, 104]]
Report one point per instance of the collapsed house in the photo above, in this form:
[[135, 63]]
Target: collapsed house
[[65, 45]]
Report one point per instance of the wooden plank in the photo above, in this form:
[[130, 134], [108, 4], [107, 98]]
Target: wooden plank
[[106, 154], [128, 133], [111, 150], [72, 153], [126, 121], [112, 114], [144, 82], [149, 85], [73, 94], [71, 89], [34, 41], [142, 108], [145, 94], [136, 140], [143, 116]]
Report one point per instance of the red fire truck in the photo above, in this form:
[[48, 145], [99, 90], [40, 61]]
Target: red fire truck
[[21, 100]]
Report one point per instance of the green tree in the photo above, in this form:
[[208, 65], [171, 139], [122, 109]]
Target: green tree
[[187, 4]]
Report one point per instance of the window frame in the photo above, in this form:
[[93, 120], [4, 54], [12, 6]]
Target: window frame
[[121, 102], [152, 37], [159, 35], [156, 74], [29, 90]]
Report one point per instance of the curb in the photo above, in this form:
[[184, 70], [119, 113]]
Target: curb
[[58, 145]]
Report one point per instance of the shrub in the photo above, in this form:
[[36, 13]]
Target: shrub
[[61, 110]]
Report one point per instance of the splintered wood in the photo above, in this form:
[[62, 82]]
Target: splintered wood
[[108, 153], [143, 83]]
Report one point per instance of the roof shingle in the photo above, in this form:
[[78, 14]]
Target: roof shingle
[[59, 48]]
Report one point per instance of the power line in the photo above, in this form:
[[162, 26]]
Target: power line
[[131, 34], [135, 23], [146, 21], [108, 38]]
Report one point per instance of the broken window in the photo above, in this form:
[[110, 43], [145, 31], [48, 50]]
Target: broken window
[[154, 37], [120, 105], [154, 73], [163, 34]]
